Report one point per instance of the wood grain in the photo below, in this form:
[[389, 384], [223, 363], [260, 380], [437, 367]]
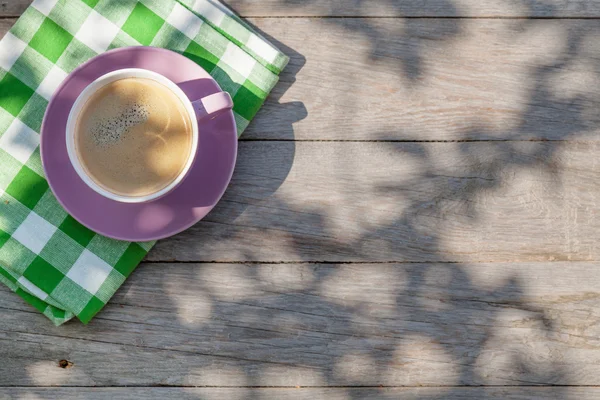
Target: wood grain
[[391, 8], [416, 8], [432, 79], [346, 201], [13, 8], [458, 393], [338, 326], [321, 325], [5, 25]]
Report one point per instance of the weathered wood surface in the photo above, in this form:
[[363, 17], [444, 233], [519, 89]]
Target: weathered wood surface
[[321, 325], [417, 8], [434, 79], [357, 200], [348, 201], [391, 8], [455, 393], [13, 8], [5, 25]]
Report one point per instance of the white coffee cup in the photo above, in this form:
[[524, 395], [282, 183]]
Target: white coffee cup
[[197, 110]]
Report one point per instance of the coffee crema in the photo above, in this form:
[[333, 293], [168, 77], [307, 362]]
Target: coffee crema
[[133, 137]]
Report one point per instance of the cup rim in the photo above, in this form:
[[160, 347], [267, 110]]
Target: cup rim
[[82, 99]]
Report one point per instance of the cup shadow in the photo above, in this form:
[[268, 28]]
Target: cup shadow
[[272, 130]]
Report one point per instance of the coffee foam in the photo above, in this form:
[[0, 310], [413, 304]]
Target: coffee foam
[[109, 130], [133, 136]]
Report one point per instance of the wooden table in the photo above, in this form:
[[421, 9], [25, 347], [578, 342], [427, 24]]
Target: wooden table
[[414, 215]]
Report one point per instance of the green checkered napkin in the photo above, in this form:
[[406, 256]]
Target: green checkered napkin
[[60, 267]]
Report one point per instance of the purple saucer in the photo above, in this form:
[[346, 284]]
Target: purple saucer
[[185, 205]]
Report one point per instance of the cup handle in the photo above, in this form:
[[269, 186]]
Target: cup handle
[[212, 104]]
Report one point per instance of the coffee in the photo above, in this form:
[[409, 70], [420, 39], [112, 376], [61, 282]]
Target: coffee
[[133, 137]]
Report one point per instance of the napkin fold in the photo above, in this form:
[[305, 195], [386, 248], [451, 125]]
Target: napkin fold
[[57, 265]]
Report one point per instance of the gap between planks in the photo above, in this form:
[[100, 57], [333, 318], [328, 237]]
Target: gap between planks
[[303, 387], [412, 17], [499, 140], [15, 17], [356, 262]]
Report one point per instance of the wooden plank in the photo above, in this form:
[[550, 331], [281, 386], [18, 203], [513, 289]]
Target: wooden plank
[[391, 8], [347, 201], [431, 79], [390, 79], [457, 393], [416, 8], [321, 325], [13, 8], [5, 25]]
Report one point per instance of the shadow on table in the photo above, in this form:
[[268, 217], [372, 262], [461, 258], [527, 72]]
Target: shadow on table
[[326, 322], [283, 151]]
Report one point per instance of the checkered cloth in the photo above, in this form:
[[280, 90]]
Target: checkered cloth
[[53, 262]]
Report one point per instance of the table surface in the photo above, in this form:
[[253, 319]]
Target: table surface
[[414, 214]]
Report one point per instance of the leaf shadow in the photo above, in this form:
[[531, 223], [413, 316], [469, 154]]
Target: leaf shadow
[[381, 304]]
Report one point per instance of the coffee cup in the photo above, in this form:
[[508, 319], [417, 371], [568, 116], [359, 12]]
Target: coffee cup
[[90, 140]]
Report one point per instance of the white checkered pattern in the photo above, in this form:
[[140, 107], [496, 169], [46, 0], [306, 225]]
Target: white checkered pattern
[[239, 60], [20, 141], [185, 21], [51, 82], [11, 49], [226, 21], [89, 271], [262, 48], [97, 32], [34, 232], [38, 55], [34, 290], [209, 10], [44, 6]]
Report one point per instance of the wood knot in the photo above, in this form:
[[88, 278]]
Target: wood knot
[[65, 364]]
